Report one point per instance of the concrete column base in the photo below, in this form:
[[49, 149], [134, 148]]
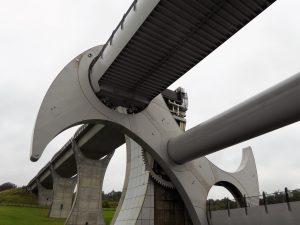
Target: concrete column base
[[45, 195], [87, 206], [63, 190]]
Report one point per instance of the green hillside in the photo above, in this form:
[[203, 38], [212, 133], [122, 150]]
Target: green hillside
[[16, 209], [17, 196]]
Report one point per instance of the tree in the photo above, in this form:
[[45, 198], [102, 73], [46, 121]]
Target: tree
[[111, 199], [7, 186]]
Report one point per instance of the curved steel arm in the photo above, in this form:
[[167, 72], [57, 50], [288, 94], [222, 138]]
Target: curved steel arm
[[64, 105]]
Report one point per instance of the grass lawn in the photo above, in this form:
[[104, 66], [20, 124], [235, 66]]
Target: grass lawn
[[15, 215], [108, 214], [24, 215]]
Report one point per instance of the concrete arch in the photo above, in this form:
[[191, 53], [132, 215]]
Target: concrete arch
[[236, 193], [242, 182]]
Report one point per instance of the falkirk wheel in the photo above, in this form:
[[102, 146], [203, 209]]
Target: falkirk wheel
[[121, 85]]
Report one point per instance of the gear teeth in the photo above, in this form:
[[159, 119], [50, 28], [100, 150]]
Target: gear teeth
[[157, 178], [144, 157]]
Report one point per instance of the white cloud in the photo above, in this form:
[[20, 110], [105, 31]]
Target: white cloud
[[38, 38]]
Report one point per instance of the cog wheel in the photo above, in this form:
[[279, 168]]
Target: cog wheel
[[156, 172]]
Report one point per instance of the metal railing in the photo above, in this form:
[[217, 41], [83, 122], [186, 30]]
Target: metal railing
[[245, 202], [110, 40]]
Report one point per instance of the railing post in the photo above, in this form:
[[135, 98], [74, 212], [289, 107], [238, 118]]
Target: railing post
[[209, 208], [245, 205], [287, 198], [209, 212], [228, 206], [265, 202]]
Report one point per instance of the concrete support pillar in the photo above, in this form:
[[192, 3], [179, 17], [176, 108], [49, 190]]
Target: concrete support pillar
[[63, 190], [45, 195], [87, 206]]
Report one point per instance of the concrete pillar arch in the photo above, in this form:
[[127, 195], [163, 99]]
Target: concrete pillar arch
[[45, 195], [63, 191], [87, 205]]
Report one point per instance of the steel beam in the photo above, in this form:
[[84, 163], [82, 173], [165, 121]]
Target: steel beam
[[272, 109]]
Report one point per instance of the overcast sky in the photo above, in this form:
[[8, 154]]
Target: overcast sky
[[38, 38]]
